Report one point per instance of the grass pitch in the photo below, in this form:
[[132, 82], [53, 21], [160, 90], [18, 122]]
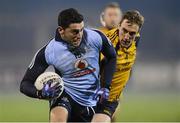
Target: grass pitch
[[156, 107]]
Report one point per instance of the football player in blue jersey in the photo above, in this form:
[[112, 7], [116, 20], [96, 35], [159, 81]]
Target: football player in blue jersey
[[74, 54]]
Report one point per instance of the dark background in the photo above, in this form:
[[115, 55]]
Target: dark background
[[26, 25]]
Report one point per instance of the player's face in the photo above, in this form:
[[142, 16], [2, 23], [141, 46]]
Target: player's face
[[73, 34], [127, 33], [112, 17]]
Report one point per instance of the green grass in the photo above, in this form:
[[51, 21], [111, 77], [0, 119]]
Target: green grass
[[23, 109], [164, 107], [150, 108]]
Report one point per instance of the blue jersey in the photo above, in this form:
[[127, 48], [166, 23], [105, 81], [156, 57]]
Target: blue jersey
[[79, 70], [80, 75]]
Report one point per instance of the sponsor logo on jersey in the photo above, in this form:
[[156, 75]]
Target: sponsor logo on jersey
[[81, 64]]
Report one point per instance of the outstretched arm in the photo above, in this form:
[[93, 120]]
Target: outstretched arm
[[37, 66]]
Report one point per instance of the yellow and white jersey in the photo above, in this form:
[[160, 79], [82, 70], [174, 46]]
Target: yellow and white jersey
[[125, 60]]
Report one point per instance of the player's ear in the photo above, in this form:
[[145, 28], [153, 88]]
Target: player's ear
[[102, 19], [102, 16], [60, 30], [119, 25], [139, 30]]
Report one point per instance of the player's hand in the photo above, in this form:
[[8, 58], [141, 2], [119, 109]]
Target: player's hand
[[102, 94], [50, 91]]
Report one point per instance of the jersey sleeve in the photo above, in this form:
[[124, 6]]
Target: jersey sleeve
[[110, 55], [37, 66]]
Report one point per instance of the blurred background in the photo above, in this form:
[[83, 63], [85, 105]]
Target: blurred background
[[153, 92]]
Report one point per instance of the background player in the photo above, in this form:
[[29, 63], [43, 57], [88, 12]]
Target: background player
[[125, 40], [74, 53], [110, 17]]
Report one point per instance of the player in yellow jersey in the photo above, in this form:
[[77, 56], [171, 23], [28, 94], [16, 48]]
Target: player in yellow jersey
[[110, 17], [125, 40]]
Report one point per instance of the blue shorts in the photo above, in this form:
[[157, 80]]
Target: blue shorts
[[76, 112]]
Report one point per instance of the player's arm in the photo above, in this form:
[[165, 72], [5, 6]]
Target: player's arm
[[110, 54], [37, 67], [109, 68]]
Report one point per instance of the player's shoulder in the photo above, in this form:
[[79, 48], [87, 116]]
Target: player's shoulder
[[53, 44], [112, 33], [94, 37], [50, 44], [94, 34], [99, 33], [93, 31], [103, 29]]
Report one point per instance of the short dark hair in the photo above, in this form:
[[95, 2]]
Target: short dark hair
[[134, 17], [69, 16]]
